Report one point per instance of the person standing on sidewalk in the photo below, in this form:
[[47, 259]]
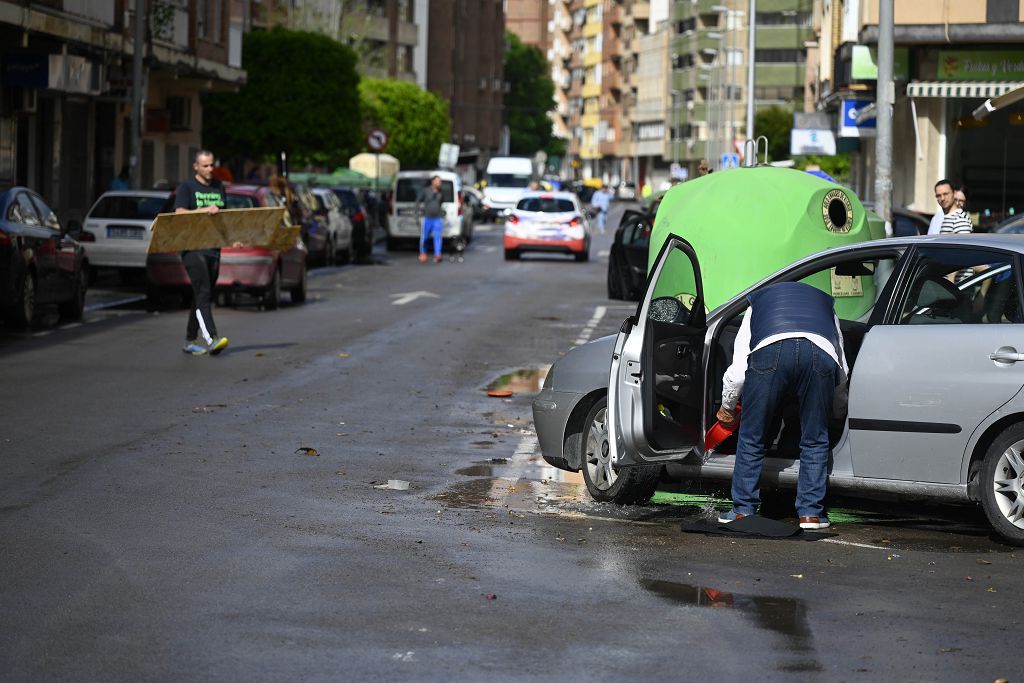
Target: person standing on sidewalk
[[202, 193], [600, 201], [944, 196], [430, 199], [789, 344]]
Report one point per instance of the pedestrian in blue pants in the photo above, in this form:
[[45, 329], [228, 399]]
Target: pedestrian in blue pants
[[789, 346], [431, 199]]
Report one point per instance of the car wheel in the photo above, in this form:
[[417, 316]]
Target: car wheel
[[614, 283], [22, 312], [343, 256], [511, 255], [392, 244], [298, 292], [272, 296], [1002, 484], [606, 484], [583, 256], [73, 308]]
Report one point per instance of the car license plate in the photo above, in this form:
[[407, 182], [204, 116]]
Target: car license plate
[[407, 212], [125, 232]]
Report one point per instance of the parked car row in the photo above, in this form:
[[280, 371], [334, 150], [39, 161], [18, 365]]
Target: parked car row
[[256, 271]]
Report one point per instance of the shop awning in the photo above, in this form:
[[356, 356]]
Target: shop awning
[[964, 89]]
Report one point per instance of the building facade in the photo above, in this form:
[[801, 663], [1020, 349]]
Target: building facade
[[465, 66], [949, 58], [65, 101]]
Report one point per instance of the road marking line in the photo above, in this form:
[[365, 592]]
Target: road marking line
[[603, 253], [70, 326], [403, 298], [489, 250], [856, 545], [118, 302], [588, 329]]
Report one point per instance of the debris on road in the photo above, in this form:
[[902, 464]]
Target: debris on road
[[490, 596], [394, 485], [499, 393], [306, 450]]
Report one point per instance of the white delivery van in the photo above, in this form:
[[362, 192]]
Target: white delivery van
[[507, 179], [405, 225]]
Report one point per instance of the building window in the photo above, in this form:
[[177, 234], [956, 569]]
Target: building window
[[780, 56], [683, 61], [179, 110], [686, 25], [790, 18]]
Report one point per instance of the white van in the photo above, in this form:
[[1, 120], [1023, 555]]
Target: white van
[[507, 179], [405, 225]]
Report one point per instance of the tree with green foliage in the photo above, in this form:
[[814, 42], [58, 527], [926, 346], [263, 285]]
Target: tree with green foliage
[[775, 123], [301, 96], [530, 98], [416, 121]]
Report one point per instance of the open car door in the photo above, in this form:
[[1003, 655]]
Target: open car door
[[655, 386]]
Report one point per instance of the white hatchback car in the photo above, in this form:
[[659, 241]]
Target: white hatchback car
[[119, 226]]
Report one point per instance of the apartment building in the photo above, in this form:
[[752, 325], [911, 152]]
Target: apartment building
[[65, 99], [385, 34], [949, 58], [547, 25], [465, 66], [709, 61]]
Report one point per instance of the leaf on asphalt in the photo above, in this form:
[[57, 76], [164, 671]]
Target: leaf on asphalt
[[341, 434], [490, 596], [306, 450], [344, 355], [990, 589], [981, 561], [260, 354], [797, 576]]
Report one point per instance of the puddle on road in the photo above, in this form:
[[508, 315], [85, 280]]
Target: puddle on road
[[785, 616], [524, 381]]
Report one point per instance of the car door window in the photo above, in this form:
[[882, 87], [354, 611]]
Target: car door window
[[23, 211], [855, 284], [956, 286]]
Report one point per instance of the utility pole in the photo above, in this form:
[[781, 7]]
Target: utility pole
[[138, 94], [884, 97], [751, 31]]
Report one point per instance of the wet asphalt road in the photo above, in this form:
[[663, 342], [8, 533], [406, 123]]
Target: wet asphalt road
[[160, 519]]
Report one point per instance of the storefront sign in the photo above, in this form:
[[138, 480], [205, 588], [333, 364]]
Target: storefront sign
[[864, 66], [848, 126], [812, 141], [26, 71], [975, 65], [67, 73]]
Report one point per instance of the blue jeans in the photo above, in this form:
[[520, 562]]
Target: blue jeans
[[432, 226], [780, 371], [602, 218]]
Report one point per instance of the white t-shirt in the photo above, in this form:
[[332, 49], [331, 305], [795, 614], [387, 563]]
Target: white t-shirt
[[936, 225]]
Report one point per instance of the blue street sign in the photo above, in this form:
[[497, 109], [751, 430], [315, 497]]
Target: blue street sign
[[730, 160], [848, 126]]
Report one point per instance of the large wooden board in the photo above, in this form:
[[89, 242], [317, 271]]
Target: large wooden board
[[259, 227]]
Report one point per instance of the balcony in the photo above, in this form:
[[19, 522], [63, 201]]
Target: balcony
[[613, 13], [590, 90], [592, 29], [589, 152], [610, 79], [587, 4], [609, 148], [590, 120], [641, 10], [591, 59]]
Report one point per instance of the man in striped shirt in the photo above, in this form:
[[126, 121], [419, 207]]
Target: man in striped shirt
[[957, 222]]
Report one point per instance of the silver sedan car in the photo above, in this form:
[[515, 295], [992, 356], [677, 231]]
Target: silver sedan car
[[933, 329]]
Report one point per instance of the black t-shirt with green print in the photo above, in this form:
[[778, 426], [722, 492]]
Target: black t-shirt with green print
[[193, 195]]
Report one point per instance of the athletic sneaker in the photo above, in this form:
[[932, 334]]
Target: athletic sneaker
[[218, 345], [438, 259], [194, 349], [423, 258], [814, 522], [730, 516]]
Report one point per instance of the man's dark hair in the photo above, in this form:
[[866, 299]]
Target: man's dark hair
[[203, 153], [945, 181], [434, 177]]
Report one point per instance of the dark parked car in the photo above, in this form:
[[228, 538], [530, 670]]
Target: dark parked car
[[362, 229], [907, 223], [627, 258], [39, 262]]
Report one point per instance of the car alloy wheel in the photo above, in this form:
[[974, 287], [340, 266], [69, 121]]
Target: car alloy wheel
[[1002, 484], [596, 457], [22, 312], [606, 484]]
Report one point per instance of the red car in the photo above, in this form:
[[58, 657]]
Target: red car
[[257, 271]]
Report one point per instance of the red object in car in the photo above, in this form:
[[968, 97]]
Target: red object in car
[[720, 432]]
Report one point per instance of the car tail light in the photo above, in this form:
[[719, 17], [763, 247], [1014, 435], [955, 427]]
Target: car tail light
[[5, 239], [86, 236], [359, 216], [574, 222], [513, 219], [460, 204]]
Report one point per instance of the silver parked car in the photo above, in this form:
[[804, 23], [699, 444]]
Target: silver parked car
[[933, 329]]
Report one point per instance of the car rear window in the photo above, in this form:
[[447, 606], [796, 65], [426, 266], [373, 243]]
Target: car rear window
[[546, 205], [348, 198], [408, 189], [127, 208], [239, 201], [508, 180]]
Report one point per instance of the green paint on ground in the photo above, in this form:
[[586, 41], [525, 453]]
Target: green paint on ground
[[690, 499]]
